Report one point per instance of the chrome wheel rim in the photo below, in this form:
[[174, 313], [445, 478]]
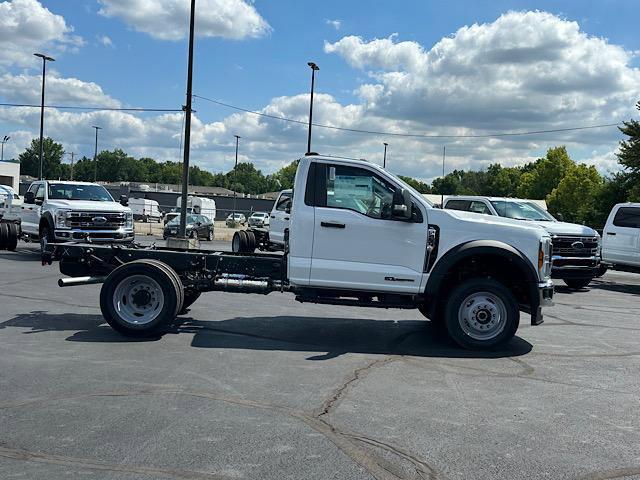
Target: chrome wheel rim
[[482, 316], [138, 299]]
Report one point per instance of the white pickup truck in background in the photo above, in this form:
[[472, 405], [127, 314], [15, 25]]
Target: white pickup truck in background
[[576, 248], [57, 211], [621, 238], [269, 238]]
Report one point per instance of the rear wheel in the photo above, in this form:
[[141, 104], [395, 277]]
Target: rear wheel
[[12, 241], [251, 241], [139, 297], [577, 283], [4, 236], [481, 313], [210, 235]]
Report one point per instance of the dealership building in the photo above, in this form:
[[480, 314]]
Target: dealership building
[[10, 173]]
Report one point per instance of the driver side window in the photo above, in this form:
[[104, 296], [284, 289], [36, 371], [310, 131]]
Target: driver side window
[[359, 190], [40, 194]]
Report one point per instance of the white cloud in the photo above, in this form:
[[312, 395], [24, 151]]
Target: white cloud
[[106, 41], [59, 91], [26, 27], [337, 24], [169, 19]]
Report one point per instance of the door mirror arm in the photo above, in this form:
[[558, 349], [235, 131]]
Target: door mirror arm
[[29, 198], [401, 208]]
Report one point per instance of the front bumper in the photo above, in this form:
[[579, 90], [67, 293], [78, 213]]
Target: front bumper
[[574, 267], [121, 235], [545, 299]]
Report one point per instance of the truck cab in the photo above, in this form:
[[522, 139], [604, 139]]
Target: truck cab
[[576, 248], [621, 237], [58, 211]]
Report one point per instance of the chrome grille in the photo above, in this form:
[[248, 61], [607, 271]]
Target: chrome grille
[[94, 220], [573, 246]]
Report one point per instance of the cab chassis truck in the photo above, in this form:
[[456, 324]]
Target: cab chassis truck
[[358, 236]]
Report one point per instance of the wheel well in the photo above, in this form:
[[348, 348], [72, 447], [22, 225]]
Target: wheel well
[[44, 223], [508, 272]]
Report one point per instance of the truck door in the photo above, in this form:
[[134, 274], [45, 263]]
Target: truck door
[[356, 243], [30, 212], [279, 218], [622, 237]]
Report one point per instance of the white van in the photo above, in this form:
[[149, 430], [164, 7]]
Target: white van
[[145, 210], [621, 238], [199, 206]]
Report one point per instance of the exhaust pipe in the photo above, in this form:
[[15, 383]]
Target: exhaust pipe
[[75, 281]]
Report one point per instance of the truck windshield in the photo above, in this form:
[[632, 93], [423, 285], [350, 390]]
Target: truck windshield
[[69, 191], [521, 211]]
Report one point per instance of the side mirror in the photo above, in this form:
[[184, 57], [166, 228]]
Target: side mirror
[[124, 201], [30, 198], [287, 208], [401, 208], [560, 217]]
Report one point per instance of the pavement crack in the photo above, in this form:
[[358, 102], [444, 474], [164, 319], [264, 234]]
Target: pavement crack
[[336, 396], [154, 472]]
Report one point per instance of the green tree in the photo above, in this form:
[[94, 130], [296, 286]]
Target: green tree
[[51, 158], [575, 195], [502, 182], [286, 175], [545, 174], [629, 154], [417, 184]]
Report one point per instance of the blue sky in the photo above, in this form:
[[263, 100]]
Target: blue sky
[[363, 82]]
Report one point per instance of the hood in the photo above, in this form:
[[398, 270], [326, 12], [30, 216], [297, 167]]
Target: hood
[[491, 220], [564, 228], [89, 206]]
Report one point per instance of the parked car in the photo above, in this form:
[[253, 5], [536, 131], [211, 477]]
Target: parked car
[[235, 218], [576, 248], [621, 238], [198, 226], [169, 216], [259, 219]]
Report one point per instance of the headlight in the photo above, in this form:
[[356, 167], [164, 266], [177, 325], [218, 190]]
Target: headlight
[[61, 217], [544, 257], [128, 220]]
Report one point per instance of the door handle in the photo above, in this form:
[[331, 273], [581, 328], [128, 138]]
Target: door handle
[[273, 216], [332, 225], [286, 218], [610, 233]]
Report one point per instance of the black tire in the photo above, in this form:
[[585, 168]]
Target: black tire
[[235, 243], [14, 232], [4, 236], [436, 320], [602, 269], [244, 241], [495, 316], [251, 241], [46, 236], [165, 310], [176, 279], [210, 235], [190, 296], [577, 283]]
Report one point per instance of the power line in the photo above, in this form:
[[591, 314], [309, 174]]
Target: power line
[[410, 135], [74, 107]]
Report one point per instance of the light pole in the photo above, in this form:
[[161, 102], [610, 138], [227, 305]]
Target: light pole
[[4, 140], [44, 58], [384, 158], [314, 68], [95, 155], [187, 127], [72, 155]]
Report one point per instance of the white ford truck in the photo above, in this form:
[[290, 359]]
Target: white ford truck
[[57, 211], [358, 236], [576, 248], [621, 238]]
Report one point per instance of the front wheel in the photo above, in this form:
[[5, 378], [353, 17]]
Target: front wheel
[[210, 235], [577, 283], [481, 313], [46, 237]]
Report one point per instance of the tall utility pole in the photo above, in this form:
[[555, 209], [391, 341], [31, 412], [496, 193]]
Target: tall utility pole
[[4, 140], [384, 159], [187, 128], [235, 174], [314, 69], [444, 154], [95, 156], [72, 154], [45, 59]]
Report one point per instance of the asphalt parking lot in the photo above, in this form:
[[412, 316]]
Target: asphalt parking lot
[[261, 387]]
